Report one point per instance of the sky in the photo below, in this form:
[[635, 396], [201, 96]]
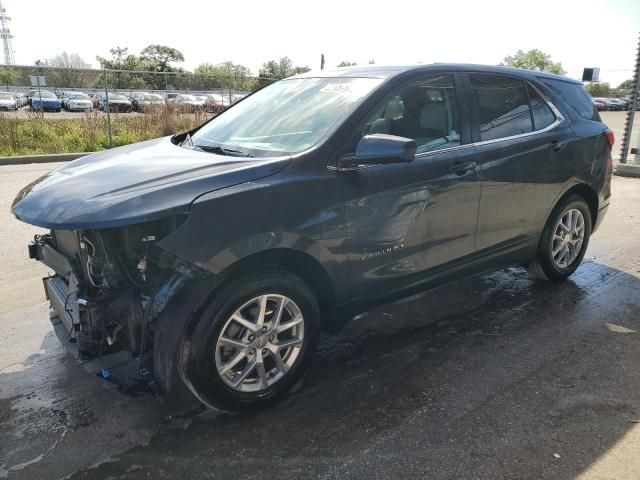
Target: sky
[[578, 33]]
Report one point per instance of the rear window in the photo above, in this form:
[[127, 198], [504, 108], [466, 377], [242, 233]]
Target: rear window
[[503, 106], [575, 96]]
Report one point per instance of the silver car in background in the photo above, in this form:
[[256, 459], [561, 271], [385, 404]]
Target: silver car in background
[[78, 102], [150, 102], [188, 103], [7, 101]]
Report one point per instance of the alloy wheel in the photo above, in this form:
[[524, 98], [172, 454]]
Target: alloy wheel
[[568, 237], [259, 343]]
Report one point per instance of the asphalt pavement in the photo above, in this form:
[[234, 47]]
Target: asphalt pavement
[[493, 377]]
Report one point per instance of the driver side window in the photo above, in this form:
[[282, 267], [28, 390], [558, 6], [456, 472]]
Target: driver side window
[[424, 110]]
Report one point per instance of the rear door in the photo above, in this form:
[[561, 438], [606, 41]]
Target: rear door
[[405, 219], [520, 140]]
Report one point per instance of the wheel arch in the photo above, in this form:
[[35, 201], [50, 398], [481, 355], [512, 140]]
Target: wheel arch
[[193, 295], [590, 196], [301, 264]]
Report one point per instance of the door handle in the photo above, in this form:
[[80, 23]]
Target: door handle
[[556, 145], [460, 168]]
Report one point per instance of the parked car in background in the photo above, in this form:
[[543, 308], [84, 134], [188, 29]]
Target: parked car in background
[[600, 106], [7, 101], [609, 104], [46, 101], [150, 102], [21, 99], [606, 105], [117, 103], [95, 100], [135, 98], [33, 92], [215, 258], [188, 103], [237, 97], [215, 103], [78, 102], [619, 104], [63, 96]]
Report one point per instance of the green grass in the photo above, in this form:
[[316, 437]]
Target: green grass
[[35, 135]]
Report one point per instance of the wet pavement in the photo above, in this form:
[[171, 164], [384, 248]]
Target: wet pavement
[[492, 377]]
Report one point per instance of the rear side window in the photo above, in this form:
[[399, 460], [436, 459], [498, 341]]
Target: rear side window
[[575, 96], [503, 106], [542, 114]]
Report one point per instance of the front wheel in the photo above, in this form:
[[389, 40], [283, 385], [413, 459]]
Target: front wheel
[[253, 341], [564, 240]]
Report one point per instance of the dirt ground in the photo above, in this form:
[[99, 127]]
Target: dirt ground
[[494, 377]]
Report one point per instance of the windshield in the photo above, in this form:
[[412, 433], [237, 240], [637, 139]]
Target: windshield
[[186, 98], [44, 95], [113, 97], [6, 96], [152, 98], [79, 96], [286, 117]]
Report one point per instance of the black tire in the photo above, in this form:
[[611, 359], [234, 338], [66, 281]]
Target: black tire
[[198, 351], [543, 266]]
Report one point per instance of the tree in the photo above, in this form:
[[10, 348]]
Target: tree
[[9, 76], [598, 89], [68, 70], [301, 69], [277, 69], [161, 56], [120, 59], [346, 64], [626, 85], [223, 75], [69, 60], [534, 60]]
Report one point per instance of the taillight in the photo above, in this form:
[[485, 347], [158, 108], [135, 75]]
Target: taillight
[[610, 138]]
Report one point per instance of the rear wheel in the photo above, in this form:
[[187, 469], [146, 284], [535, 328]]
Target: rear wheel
[[564, 240], [253, 341]]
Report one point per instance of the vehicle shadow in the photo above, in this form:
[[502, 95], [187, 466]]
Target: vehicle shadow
[[491, 377]]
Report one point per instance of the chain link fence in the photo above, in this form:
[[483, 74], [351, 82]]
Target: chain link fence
[[21, 79], [169, 101]]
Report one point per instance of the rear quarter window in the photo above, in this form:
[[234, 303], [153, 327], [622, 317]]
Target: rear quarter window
[[575, 96]]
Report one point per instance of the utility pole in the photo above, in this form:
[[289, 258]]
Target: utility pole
[[633, 168], [6, 36]]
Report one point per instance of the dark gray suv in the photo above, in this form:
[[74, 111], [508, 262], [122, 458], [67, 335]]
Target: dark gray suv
[[215, 258]]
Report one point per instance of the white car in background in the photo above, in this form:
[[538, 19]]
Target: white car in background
[[7, 101], [78, 102]]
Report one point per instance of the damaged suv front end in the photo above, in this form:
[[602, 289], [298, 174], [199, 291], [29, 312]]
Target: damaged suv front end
[[111, 285], [108, 289]]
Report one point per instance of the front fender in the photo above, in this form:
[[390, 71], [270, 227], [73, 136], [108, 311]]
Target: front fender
[[229, 225]]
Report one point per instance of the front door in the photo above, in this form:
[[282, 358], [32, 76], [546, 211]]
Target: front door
[[405, 219]]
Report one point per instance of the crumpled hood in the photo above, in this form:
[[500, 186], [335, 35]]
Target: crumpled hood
[[132, 184]]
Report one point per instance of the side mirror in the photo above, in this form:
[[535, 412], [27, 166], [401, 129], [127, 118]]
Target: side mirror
[[379, 149]]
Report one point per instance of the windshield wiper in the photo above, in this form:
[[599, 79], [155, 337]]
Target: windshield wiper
[[220, 150], [187, 142]]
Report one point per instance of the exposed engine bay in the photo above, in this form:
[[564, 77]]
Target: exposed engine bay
[[109, 286]]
